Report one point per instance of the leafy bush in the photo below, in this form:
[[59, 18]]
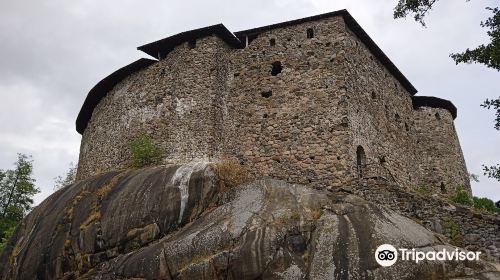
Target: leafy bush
[[462, 197], [232, 173], [144, 151], [479, 203], [485, 204]]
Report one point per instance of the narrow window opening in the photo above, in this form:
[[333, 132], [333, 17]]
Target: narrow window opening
[[442, 187], [192, 44], [374, 95], [310, 33], [276, 68], [344, 122], [438, 117], [407, 127], [267, 94], [265, 116], [396, 116], [381, 159], [360, 161], [272, 42]]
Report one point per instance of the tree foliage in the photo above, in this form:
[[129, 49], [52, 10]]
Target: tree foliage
[[68, 179], [486, 54], [474, 177], [418, 8], [495, 104], [17, 188], [492, 171]]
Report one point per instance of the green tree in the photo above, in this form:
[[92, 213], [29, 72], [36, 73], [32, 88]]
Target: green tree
[[68, 179], [486, 54], [17, 188]]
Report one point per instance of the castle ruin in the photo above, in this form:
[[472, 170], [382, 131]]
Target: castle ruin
[[311, 101]]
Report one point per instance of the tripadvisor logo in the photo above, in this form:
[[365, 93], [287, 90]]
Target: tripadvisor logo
[[387, 255]]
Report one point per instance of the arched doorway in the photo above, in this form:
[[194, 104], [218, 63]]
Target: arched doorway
[[360, 161]]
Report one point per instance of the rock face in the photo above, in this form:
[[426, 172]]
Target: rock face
[[180, 222]]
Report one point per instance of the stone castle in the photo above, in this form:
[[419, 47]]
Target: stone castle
[[312, 101]]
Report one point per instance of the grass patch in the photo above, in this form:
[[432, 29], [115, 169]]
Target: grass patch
[[232, 173], [94, 216]]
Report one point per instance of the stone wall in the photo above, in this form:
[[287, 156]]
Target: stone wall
[[463, 227], [441, 161], [380, 115], [293, 125], [176, 101], [328, 96]]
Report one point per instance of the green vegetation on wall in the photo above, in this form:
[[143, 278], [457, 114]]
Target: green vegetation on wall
[[144, 151]]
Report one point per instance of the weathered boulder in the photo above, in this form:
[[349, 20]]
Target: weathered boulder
[[178, 222]]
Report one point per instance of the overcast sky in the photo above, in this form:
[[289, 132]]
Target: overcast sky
[[53, 51]]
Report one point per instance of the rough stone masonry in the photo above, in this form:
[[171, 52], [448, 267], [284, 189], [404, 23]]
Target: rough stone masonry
[[311, 101]]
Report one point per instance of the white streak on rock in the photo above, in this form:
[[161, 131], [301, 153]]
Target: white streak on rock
[[181, 179]]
